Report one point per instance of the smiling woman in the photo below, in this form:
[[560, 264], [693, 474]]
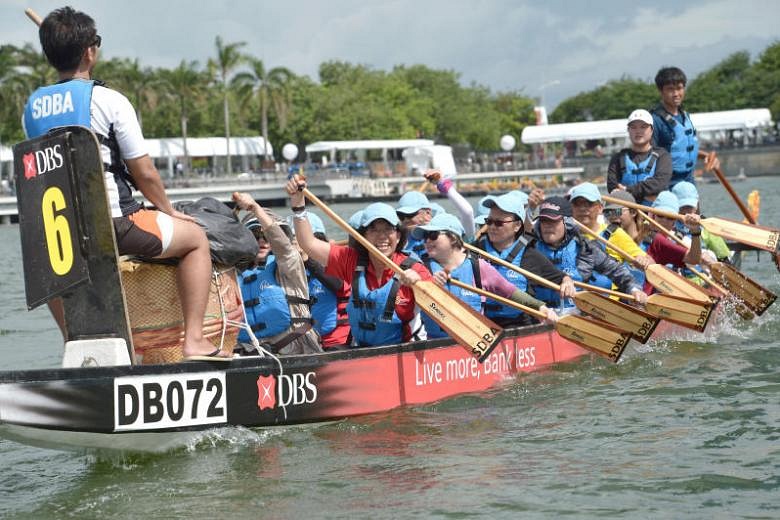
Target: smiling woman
[[382, 306]]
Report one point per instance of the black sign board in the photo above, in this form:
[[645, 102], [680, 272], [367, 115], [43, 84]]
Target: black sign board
[[49, 223]]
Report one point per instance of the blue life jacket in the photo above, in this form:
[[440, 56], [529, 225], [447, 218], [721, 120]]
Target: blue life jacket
[[635, 173], [69, 103], [638, 274], [266, 304], [564, 259], [327, 310], [685, 146], [372, 315], [468, 273], [415, 246], [514, 255]]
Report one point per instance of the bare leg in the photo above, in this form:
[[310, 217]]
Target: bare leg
[[190, 245]]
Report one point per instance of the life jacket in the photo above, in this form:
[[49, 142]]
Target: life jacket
[[565, 259], [415, 246], [468, 273], [372, 315], [685, 146], [68, 103], [633, 173], [327, 310], [514, 255], [266, 304]]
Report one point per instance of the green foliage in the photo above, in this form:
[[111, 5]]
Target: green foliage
[[614, 100], [354, 101]]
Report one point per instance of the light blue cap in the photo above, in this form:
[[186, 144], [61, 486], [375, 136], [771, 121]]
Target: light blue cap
[[441, 222], [586, 190], [355, 220], [509, 202], [317, 225], [437, 209], [379, 210], [686, 193], [411, 202], [667, 201], [482, 209], [521, 196]]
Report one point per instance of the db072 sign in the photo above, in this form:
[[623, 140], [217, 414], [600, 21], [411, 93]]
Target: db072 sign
[[169, 401], [48, 218]]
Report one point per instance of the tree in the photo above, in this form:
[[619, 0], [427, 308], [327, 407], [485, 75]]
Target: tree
[[272, 88], [228, 58], [720, 87], [615, 100], [185, 85]]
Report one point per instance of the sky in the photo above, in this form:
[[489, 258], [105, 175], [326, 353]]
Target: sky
[[547, 49]]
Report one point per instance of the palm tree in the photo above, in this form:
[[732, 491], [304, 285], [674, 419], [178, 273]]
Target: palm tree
[[184, 84], [228, 58], [127, 76], [273, 91]]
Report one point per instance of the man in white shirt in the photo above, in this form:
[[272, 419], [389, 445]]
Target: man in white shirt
[[70, 42]]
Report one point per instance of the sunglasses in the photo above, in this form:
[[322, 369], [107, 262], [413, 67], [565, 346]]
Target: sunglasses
[[258, 233], [499, 223], [431, 235], [616, 212]]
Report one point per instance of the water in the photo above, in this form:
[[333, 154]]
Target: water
[[678, 429]]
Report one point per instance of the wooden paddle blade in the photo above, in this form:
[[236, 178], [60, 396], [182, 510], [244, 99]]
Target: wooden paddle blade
[[692, 314], [761, 237], [745, 289], [474, 332], [594, 335], [636, 321], [668, 282]]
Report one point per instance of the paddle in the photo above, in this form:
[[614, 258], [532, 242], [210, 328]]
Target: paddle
[[737, 284], [639, 323], [741, 205], [590, 334], [661, 277], [32, 15], [727, 185], [760, 237], [477, 334]]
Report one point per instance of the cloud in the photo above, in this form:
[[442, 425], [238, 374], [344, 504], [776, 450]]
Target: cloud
[[503, 44]]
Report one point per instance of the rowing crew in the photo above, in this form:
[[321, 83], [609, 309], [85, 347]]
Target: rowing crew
[[305, 291]]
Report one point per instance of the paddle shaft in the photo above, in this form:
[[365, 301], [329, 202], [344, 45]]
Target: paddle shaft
[[353, 233], [539, 279], [32, 15], [727, 185], [632, 205], [681, 242], [499, 299], [531, 276], [609, 244]]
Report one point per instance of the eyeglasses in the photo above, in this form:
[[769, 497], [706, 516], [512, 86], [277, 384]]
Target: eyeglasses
[[613, 212], [97, 42], [499, 223], [431, 235]]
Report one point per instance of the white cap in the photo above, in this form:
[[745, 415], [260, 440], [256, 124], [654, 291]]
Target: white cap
[[640, 114]]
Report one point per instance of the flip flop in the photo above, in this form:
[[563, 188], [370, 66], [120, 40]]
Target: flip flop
[[214, 356]]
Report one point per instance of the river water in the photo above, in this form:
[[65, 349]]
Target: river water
[[685, 428]]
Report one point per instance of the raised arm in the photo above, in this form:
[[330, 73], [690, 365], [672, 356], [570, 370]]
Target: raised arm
[[318, 250]]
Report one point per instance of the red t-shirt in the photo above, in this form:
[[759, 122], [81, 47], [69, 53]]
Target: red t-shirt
[[665, 252], [342, 263], [340, 334]]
